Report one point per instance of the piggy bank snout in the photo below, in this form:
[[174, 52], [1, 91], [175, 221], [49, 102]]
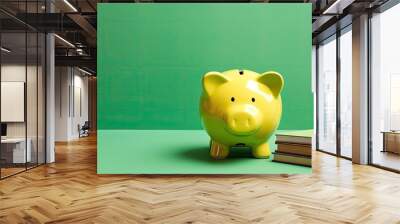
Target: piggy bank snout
[[243, 120]]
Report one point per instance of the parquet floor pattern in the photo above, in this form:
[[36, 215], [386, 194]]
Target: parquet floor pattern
[[70, 191]]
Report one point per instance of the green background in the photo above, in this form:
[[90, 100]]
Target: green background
[[151, 58]]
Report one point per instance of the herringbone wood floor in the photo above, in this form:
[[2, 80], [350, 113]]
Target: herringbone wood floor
[[70, 191]]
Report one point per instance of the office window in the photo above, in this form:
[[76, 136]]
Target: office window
[[327, 95], [346, 92], [385, 88]]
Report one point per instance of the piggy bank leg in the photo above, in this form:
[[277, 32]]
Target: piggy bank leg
[[261, 151], [218, 151]]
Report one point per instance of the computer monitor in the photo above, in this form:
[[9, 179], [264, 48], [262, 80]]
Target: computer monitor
[[3, 129]]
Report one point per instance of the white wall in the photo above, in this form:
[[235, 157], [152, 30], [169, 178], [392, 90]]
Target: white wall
[[80, 110], [16, 72], [33, 127], [62, 82], [13, 72], [71, 102]]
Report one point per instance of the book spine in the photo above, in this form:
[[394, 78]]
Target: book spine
[[298, 164], [294, 153], [292, 143]]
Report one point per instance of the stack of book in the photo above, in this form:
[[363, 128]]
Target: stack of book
[[294, 148]]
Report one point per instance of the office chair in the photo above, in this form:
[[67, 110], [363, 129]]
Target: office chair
[[84, 130]]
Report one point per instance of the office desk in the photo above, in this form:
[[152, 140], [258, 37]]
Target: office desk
[[13, 150], [391, 141]]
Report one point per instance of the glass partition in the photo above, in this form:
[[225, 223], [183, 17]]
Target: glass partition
[[22, 78], [385, 89], [327, 95], [32, 95], [346, 92], [15, 151]]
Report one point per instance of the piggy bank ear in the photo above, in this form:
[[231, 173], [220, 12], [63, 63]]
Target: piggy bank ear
[[273, 80], [212, 80]]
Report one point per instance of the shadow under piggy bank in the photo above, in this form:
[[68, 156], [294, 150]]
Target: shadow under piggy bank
[[202, 154]]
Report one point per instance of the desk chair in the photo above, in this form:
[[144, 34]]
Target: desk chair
[[84, 130]]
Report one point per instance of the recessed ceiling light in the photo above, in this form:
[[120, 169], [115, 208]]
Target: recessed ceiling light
[[5, 50], [337, 7], [84, 71], [70, 5], [65, 41]]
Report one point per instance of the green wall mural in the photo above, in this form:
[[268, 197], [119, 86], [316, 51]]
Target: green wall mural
[[151, 58]]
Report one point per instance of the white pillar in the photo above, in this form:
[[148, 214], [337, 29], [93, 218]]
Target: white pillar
[[314, 89], [50, 99], [360, 90], [50, 92]]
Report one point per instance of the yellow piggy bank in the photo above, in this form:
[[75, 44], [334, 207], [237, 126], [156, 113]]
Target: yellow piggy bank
[[241, 108]]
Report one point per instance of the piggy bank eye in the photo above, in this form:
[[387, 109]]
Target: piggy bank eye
[[253, 99], [233, 99]]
